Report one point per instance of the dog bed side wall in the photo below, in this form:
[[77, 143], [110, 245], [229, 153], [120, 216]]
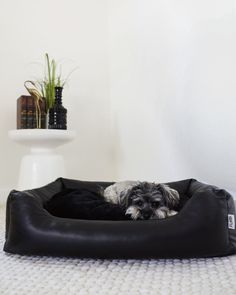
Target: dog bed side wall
[[15, 216], [227, 208], [231, 227]]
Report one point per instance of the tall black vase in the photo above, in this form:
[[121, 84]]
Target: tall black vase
[[58, 114]]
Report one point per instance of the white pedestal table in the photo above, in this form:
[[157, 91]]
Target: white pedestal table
[[42, 165]]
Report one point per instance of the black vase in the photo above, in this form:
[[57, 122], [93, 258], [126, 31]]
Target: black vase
[[57, 113]]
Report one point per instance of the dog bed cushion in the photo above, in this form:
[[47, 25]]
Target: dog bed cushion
[[204, 227], [84, 204]]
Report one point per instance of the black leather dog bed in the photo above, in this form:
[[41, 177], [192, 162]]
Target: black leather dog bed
[[204, 227]]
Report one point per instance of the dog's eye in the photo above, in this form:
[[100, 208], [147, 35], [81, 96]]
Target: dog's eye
[[139, 203], [155, 204]]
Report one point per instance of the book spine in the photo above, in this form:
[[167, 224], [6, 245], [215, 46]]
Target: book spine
[[31, 113], [21, 113], [27, 115]]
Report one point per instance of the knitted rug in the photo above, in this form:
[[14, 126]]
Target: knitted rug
[[25, 275]]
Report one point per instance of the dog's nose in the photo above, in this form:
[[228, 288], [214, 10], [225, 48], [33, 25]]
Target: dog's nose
[[146, 215]]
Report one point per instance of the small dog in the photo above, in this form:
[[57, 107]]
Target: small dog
[[143, 200]]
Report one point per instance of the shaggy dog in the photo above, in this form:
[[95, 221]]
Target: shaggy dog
[[143, 200]]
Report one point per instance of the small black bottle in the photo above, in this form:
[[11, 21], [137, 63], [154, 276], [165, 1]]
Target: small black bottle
[[57, 113]]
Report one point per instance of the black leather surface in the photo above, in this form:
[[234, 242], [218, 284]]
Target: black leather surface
[[200, 229], [84, 204]]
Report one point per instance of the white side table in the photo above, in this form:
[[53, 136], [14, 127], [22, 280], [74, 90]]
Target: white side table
[[42, 165]]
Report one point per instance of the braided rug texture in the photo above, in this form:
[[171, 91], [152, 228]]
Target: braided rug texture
[[25, 275]]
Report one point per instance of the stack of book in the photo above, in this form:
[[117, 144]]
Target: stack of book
[[27, 115]]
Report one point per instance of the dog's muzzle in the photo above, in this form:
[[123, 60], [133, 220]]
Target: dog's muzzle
[[146, 214]]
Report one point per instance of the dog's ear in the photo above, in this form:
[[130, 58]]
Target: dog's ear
[[126, 197], [171, 195], [100, 191]]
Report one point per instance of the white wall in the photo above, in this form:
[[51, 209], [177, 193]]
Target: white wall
[[173, 93], [168, 68], [72, 29]]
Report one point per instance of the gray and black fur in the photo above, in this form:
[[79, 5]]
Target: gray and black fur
[[143, 200]]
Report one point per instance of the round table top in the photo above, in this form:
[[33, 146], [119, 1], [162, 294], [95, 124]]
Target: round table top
[[47, 138]]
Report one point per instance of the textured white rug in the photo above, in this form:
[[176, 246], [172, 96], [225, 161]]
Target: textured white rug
[[22, 275]]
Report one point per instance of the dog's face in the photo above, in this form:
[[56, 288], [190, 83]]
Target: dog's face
[[150, 201]]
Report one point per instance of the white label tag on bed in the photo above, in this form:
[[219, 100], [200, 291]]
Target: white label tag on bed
[[231, 221]]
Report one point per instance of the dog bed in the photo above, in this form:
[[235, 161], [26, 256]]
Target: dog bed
[[204, 226]]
